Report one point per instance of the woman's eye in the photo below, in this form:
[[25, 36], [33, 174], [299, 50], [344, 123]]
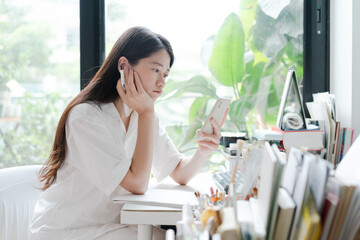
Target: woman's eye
[[156, 70]]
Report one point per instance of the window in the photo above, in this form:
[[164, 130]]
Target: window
[[39, 75], [239, 50], [40, 55]]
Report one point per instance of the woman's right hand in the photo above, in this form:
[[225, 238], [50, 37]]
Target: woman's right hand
[[135, 96]]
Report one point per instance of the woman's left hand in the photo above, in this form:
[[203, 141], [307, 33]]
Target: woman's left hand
[[210, 142]]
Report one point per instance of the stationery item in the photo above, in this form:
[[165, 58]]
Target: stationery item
[[246, 219], [336, 147], [187, 227], [328, 213], [318, 178], [268, 135], [252, 165], [352, 220], [321, 111], [229, 228], [206, 214], [329, 99], [281, 161], [286, 210], [292, 169], [291, 98], [240, 144], [339, 144], [346, 193], [301, 187], [270, 175], [160, 197], [348, 135], [244, 214], [259, 227], [310, 225]]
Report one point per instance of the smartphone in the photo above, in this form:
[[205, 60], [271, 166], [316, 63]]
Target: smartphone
[[122, 77], [217, 112]]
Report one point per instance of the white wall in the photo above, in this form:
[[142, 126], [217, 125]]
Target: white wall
[[345, 61]]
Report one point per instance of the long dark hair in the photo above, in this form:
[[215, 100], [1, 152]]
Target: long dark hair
[[134, 44]]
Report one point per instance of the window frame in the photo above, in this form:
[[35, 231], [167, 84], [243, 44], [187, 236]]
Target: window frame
[[316, 60], [92, 38]]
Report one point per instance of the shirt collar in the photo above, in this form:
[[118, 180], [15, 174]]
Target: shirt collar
[[110, 109]]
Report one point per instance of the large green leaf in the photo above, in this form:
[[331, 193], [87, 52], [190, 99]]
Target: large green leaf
[[189, 134], [196, 117], [251, 80], [247, 14], [239, 109], [226, 62], [197, 109], [270, 35]]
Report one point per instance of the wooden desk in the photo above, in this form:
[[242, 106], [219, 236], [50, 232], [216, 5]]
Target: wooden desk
[[146, 216]]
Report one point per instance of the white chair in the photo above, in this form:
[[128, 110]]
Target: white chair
[[18, 195]]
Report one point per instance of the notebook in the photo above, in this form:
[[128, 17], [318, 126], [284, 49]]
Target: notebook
[[160, 197]]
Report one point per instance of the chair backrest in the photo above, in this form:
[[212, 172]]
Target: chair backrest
[[18, 195]]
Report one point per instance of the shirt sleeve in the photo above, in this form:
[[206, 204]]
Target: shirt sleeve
[[93, 149], [166, 155]]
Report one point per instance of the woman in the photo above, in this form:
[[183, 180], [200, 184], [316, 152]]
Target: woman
[[99, 152]]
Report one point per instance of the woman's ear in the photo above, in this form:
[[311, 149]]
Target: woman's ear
[[122, 62]]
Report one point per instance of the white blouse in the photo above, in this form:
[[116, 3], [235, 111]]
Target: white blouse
[[98, 155]]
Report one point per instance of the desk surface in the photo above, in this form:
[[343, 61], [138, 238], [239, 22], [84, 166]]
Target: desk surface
[[155, 215], [200, 182]]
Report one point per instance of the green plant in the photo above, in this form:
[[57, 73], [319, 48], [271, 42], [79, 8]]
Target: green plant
[[251, 53], [24, 51], [29, 141]]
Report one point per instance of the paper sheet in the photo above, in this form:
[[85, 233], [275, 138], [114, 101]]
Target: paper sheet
[[160, 197], [321, 111]]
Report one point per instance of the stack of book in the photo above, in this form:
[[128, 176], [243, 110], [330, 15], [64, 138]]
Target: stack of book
[[338, 138], [311, 139], [303, 199]]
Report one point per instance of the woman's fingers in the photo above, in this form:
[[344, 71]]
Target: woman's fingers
[[216, 128], [215, 137], [211, 142], [208, 137], [138, 84], [129, 81]]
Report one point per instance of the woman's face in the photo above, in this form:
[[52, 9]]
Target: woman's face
[[153, 71]]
